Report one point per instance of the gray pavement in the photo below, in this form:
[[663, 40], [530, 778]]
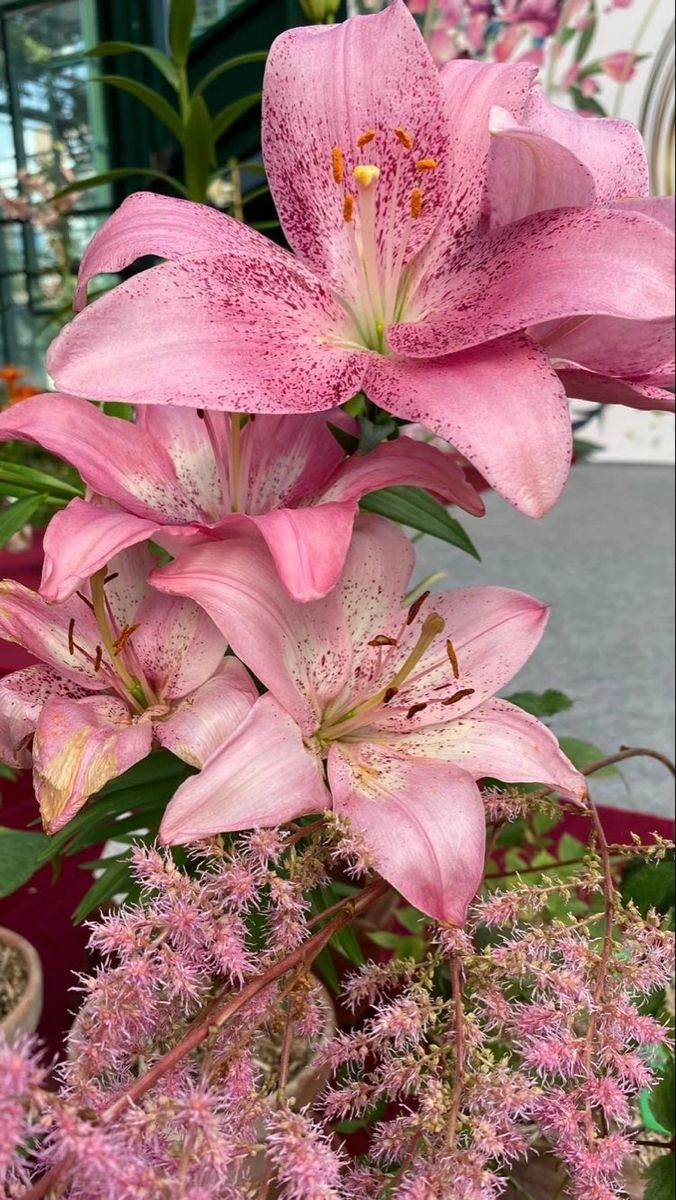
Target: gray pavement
[[604, 560]]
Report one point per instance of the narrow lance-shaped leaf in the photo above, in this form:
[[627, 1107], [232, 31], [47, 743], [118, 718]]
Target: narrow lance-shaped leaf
[[22, 853], [232, 112], [198, 149], [106, 177], [240, 60], [413, 507], [181, 20], [151, 99], [17, 514], [159, 60]]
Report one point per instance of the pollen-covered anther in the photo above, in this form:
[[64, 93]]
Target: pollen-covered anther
[[348, 208], [337, 164], [382, 639], [71, 636], [453, 658], [405, 138], [390, 693], [120, 642], [414, 709], [366, 174], [457, 696], [98, 658], [427, 164], [364, 138], [416, 202], [415, 607]]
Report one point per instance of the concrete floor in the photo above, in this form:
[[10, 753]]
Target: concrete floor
[[604, 560]]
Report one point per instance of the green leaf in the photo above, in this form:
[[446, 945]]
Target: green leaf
[[347, 441], [240, 60], [345, 941], [413, 507], [325, 968], [152, 100], [660, 1179], [22, 853], [650, 885], [583, 449], [106, 177], [37, 481], [372, 433], [113, 879], [586, 38], [17, 514], [159, 60], [663, 1099], [583, 754], [586, 103], [411, 919], [542, 704], [232, 112], [181, 20], [198, 149]]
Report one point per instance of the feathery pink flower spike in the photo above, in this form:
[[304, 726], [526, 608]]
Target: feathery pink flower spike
[[396, 700], [119, 667], [180, 476], [378, 164]]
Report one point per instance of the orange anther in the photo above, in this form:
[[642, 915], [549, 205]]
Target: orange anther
[[338, 164], [348, 207], [427, 164], [365, 138], [416, 202], [406, 139]]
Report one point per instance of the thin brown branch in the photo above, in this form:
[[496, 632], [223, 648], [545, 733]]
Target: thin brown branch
[[626, 752]]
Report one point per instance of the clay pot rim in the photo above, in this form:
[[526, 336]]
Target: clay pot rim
[[15, 1021]]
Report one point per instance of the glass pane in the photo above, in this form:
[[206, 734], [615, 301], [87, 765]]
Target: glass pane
[[210, 11]]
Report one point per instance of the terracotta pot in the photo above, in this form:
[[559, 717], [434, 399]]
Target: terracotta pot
[[24, 1016]]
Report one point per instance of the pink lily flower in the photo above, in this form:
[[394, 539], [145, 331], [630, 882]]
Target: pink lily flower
[[378, 165], [119, 668], [560, 157], [180, 475], [392, 703]]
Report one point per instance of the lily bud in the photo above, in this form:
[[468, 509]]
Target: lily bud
[[320, 12]]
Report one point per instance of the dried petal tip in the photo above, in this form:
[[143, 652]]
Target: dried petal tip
[[338, 164], [416, 203], [366, 174], [406, 139], [364, 138]]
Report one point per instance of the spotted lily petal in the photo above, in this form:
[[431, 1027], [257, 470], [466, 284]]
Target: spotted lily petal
[[206, 718]]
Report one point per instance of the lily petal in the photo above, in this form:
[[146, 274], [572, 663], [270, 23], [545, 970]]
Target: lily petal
[[177, 644], [628, 349], [301, 652], [472, 89], [493, 632], [423, 823], [290, 458], [22, 696], [605, 389], [610, 149], [408, 462], [50, 632], [114, 457], [499, 741], [319, 94], [262, 775], [197, 726], [83, 538], [308, 545], [545, 267], [79, 746], [252, 334], [163, 226], [531, 173], [509, 385]]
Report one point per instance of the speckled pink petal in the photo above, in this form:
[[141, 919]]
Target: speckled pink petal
[[198, 445], [324, 88], [200, 723], [529, 172], [423, 824], [250, 334], [291, 458], [549, 266], [63, 636], [116, 459], [493, 631], [79, 746], [628, 349], [499, 741], [404, 462], [471, 90], [501, 405], [308, 545], [610, 149], [22, 696], [301, 652], [162, 226], [177, 644], [81, 539], [606, 389], [262, 775]]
